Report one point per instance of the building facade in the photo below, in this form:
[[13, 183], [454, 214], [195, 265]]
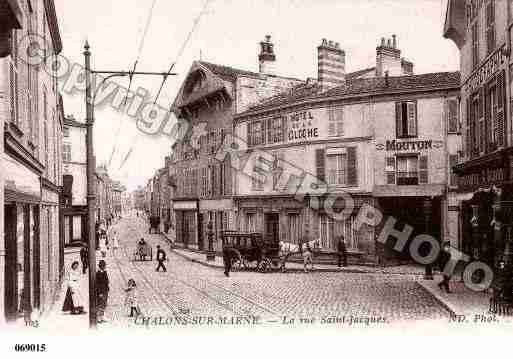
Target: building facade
[[382, 140], [208, 99], [31, 115], [74, 181], [482, 32]]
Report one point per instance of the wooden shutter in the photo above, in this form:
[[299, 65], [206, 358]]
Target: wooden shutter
[[452, 115], [423, 170], [453, 161], [501, 98], [283, 128], [399, 119], [412, 118], [390, 170], [352, 168], [332, 125], [490, 26], [339, 115], [270, 138], [320, 164]]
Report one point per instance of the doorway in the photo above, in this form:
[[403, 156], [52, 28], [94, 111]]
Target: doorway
[[272, 229]]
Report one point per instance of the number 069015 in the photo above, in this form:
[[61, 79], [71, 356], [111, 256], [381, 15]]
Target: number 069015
[[30, 348]]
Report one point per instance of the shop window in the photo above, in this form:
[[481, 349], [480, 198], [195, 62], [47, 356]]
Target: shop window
[[453, 125], [275, 130], [256, 133], [490, 26], [331, 230], [294, 228], [406, 119], [336, 122]]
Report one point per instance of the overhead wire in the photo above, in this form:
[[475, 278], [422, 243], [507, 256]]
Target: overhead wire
[[180, 52], [131, 75]]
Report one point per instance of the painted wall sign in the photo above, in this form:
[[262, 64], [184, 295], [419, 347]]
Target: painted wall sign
[[302, 126], [485, 72], [394, 145], [487, 177]]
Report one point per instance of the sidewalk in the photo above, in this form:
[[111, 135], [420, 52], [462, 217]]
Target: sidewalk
[[200, 258]]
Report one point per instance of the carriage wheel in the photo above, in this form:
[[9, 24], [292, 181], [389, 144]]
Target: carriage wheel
[[265, 266], [237, 262]]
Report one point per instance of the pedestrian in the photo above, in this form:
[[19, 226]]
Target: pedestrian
[[283, 256], [103, 245], [307, 257], [443, 259], [102, 290], [229, 254], [115, 241], [161, 257], [131, 298], [84, 258], [341, 252], [73, 299]]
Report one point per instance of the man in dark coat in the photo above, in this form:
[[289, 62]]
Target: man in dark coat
[[102, 290], [228, 255], [341, 252], [84, 258], [161, 257], [443, 258]]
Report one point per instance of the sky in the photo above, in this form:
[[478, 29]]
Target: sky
[[228, 33]]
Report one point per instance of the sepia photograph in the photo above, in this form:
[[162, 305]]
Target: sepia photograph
[[183, 169]]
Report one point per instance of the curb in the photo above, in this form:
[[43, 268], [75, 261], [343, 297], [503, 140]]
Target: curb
[[296, 270], [438, 298]]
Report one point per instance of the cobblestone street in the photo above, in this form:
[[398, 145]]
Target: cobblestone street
[[189, 290]]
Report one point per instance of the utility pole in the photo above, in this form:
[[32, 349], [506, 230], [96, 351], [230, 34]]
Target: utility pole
[[91, 167], [91, 190]]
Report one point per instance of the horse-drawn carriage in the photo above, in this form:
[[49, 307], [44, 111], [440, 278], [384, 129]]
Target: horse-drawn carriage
[[251, 248]]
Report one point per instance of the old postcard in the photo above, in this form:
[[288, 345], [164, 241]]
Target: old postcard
[[281, 166]]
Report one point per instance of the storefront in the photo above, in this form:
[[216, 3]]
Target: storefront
[[187, 229], [22, 292]]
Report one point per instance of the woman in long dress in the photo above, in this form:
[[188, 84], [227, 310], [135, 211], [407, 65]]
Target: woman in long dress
[[103, 245], [115, 241], [73, 300]]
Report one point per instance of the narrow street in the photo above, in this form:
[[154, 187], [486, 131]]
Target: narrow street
[[189, 290]]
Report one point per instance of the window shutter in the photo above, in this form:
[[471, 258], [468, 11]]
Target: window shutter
[[423, 170], [452, 112], [283, 128], [398, 119], [332, 130], [468, 141], [320, 162], [352, 168], [453, 161], [501, 98], [340, 121], [390, 170], [412, 118], [270, 130]]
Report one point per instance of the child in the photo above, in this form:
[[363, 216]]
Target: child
[[131, 298]]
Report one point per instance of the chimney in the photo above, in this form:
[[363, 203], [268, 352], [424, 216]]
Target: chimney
[[388, 58], [407, 67], [267, 58], [331, 64]]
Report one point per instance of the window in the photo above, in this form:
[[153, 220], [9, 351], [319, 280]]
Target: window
[[276, 169], [13, 80], [65, 132], [336, 122], [250, 222], [453, 178], [407, 170], [275, 128], [406, 119], [257, 177], [256, 133], [325, 230], [336, 165], [475, 44], [490, 26], [494, 114], [294, 228], [453, 123]]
